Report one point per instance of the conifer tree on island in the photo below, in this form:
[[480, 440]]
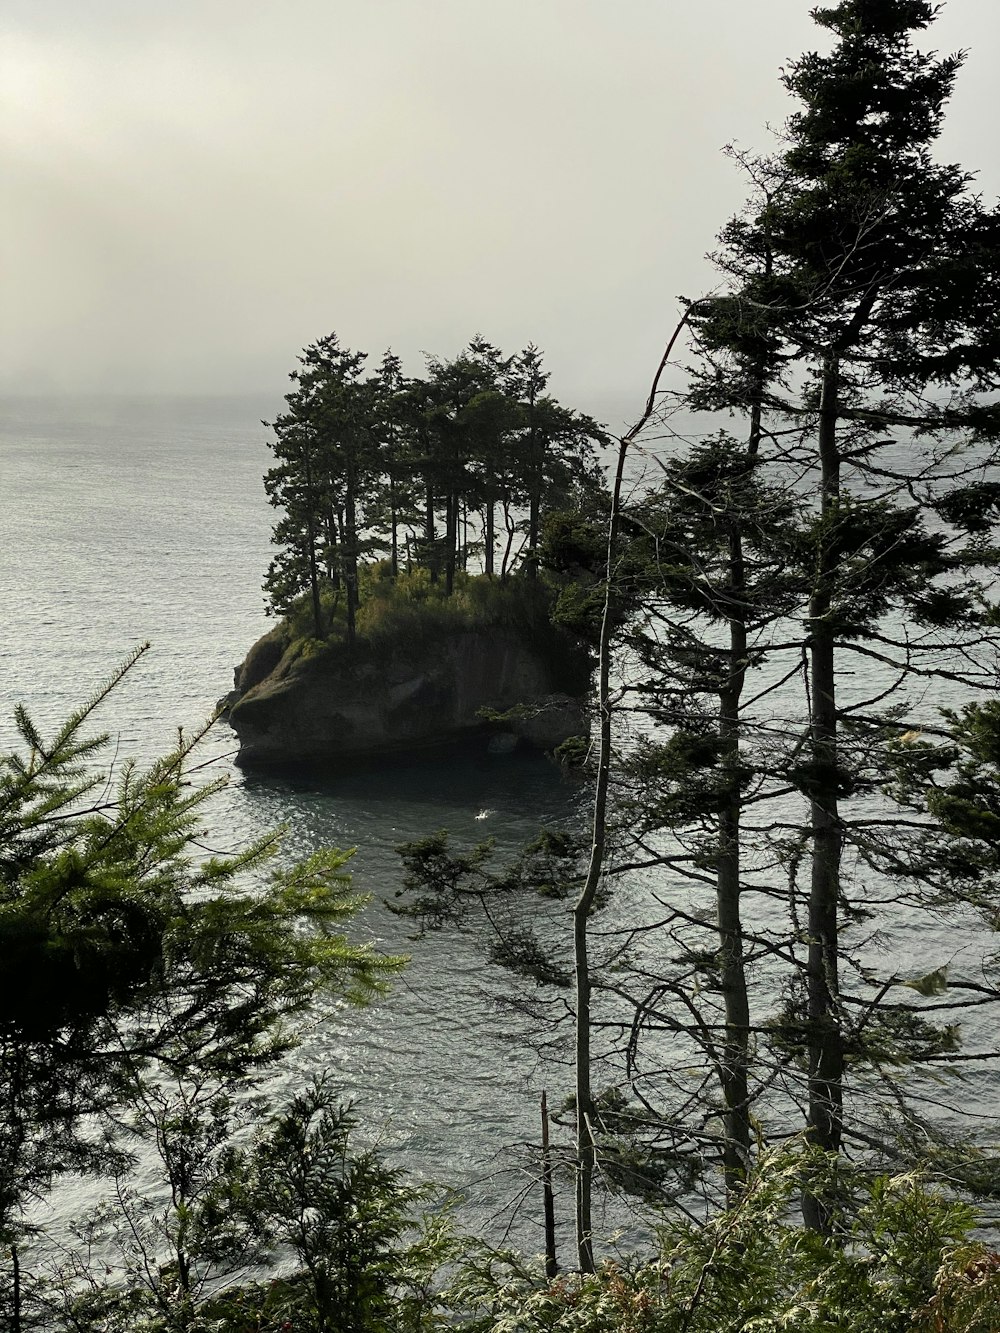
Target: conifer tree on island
[[450, 473]]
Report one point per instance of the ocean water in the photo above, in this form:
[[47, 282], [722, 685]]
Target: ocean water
[[134, 520]]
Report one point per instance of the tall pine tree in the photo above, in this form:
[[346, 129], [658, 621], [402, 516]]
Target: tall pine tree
[[858, 333]]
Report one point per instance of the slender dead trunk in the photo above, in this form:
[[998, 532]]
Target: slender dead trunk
[[394, 523], [548, 1199], [451, 542], [311, 554], [585, 1147], [489, 537], [350, 545], [826, 1054], [732, 950]]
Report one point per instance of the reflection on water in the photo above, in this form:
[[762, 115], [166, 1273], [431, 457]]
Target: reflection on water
[[127, 520]]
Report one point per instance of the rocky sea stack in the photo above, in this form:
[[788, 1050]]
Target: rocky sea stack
[[428, 684]]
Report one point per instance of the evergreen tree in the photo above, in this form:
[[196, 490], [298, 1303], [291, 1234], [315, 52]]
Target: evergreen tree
[[860, 335], [362, 458], [327, 445], [554, 452], [463, 446], [395, 506], [121, 952], [717, 579], [306, 533]]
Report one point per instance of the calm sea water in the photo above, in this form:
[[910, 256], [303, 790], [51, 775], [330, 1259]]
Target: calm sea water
[[126, 520]]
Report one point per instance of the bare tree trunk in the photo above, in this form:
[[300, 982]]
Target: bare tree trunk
[[508, 522], [732, 949], [536, 450], [489, 537], [548, 1200], [450, 541], [585, 1148], [826, 1055], [394, 521], [430, 535], [314, 583], [15, 1260], [732, 973], [330, 545], [349, 535], [311, 553]]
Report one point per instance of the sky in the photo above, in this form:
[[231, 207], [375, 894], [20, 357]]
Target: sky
[[193, 190]]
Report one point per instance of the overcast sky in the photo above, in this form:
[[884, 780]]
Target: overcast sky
[[194, 189]]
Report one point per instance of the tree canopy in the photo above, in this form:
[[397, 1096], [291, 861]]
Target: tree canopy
[[448, 472]]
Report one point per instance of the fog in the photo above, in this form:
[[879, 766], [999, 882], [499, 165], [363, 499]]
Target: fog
[[195, 189]]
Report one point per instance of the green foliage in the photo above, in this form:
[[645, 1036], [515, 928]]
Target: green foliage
[[442, 887], [439, 882], [519, 949], [124, 955], [967, 1295], [413, 605], [790, 599], [410, 613], [461, 465], [340, 1222], [340, 1214], [900, 1258], [172, 1046]]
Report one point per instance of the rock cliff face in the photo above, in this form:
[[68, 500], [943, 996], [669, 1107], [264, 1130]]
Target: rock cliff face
[[333, 710]]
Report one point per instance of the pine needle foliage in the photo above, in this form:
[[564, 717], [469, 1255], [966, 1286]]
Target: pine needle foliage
[[124, 950]]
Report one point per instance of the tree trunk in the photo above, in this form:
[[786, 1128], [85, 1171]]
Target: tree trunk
[[548, 1200], [329, 545], [450, 541], [15, 1260], [536, 448], [585, 1150], [489, 537], [732, 968], [430, 535], [732, 973], [394, 521], [314, 583], [826, 1055], [508, 522], [311, 553], [350, 546]]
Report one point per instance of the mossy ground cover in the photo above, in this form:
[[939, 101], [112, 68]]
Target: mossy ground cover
[[406, 616]]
